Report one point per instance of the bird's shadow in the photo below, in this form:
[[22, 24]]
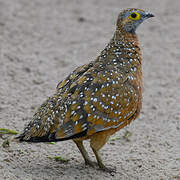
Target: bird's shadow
[[56, 169]]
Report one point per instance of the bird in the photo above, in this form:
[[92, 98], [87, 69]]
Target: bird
[[97, 99]]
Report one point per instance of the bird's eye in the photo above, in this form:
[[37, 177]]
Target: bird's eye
[[134, 16]]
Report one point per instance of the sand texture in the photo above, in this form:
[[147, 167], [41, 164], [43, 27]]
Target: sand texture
[[42, 41]]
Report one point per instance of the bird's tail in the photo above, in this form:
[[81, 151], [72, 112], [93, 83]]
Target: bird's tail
[[45, 122], [46, 138]]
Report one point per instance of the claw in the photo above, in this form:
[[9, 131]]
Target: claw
[[112, 170]]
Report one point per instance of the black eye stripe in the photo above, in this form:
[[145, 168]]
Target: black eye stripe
[[133, 15]]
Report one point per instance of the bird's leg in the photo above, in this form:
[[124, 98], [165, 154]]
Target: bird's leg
[[96, 143], [99, 160], [100, 163], [84, 153]]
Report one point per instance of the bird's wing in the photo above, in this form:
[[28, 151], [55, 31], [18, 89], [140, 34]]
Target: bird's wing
[[74, 76], [99, 101], [48, 117]]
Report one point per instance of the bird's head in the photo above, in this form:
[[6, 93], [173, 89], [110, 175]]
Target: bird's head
[[130, 19]]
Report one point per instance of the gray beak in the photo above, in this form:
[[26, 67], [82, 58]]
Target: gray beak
[[148, 15]]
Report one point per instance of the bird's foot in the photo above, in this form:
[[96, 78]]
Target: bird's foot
[[90, 163], [111, 170]]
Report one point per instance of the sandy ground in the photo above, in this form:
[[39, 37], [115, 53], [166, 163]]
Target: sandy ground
[[43, 40]]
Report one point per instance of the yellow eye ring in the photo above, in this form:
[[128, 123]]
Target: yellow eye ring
[[134, 16]]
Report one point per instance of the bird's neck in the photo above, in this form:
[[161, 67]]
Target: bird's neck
[[126, 37], [123, 48]]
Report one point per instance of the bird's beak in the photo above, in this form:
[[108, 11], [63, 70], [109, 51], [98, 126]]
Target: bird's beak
[[148, 15]]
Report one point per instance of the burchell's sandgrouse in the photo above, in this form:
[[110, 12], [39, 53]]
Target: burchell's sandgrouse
[[96, 99]]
